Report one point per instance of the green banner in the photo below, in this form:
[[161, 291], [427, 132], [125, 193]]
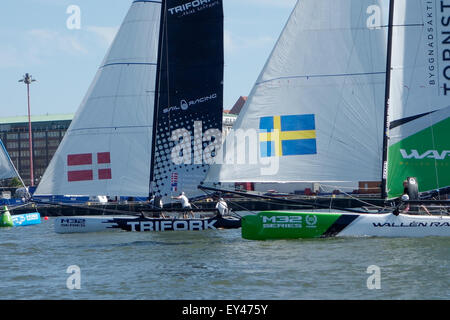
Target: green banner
[[425, 156]]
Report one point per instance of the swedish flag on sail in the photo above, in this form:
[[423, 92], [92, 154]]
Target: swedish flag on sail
[[287, 135]]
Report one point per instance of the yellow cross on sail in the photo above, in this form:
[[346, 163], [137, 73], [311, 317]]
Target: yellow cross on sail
[[287, 135]]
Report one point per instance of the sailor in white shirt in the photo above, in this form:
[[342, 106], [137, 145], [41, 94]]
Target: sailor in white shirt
[[222, 207], [185, 204]]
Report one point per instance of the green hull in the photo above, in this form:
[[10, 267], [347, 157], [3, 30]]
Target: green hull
[[293, 225]]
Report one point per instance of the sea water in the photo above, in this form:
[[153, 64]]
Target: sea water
[[36, 263]]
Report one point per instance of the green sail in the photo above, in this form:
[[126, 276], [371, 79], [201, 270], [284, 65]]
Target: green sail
[[424, 155]]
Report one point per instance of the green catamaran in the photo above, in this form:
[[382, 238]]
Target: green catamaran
[[353, 91]]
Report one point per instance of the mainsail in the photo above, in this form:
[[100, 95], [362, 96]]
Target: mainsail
[[315, 114], [7, 169], [165, 52], [420, 95], [190, 101], [107, 148]]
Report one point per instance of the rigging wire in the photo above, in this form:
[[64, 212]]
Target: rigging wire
[[297, 203], [354, 198], [235, 213], [12, 208]]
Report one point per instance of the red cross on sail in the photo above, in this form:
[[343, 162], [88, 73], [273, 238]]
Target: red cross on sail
[[174, 181], [85, 168]]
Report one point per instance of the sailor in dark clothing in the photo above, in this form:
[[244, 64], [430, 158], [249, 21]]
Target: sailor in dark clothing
[[158, 202], [405, 196], [402, 198], [411, 192]]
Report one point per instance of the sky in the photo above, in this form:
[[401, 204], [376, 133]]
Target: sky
[[35, 38]]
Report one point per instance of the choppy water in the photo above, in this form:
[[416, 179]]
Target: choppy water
[[217, 265]]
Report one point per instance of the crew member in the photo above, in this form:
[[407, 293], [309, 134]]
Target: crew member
[[404, 197], [222, 207], [156, 202], [185, 204], [425, 209]]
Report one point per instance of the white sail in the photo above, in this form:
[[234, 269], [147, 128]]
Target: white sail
[[419, 58], [420, 95], [107, 148], [7, 169], [323, 89]]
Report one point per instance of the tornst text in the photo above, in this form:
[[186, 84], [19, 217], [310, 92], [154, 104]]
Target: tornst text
[[444, 21], [436, 19]]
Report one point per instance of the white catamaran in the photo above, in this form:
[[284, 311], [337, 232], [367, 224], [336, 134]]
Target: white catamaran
[[353, 91], [160, 84]]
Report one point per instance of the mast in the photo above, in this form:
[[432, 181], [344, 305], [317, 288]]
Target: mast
[[384, 190], [157, 95]]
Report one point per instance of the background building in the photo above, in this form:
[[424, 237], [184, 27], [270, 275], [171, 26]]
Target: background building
[[48, 132], [230, 116], [238, 105], [228, 122]]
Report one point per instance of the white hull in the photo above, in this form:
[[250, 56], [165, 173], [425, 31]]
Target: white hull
[[84, 224], [389, 225]]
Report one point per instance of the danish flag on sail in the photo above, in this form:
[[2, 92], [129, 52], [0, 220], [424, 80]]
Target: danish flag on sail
[[82, 168]]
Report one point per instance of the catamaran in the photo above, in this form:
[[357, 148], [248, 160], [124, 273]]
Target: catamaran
[[159, 86], [352, 91], [7, 172]]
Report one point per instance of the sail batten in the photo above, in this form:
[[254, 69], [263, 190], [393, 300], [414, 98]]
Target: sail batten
[[321, 76], [128, 63]]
